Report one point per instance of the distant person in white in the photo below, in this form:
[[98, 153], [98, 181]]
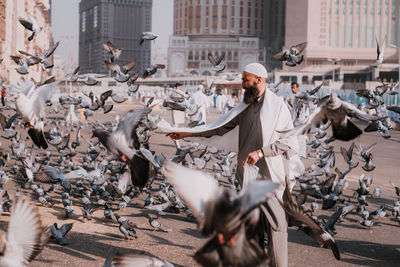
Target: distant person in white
[[221, 102], [201, 100]]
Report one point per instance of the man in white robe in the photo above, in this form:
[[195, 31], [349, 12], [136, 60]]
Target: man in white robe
[[254, 125], [201, 100]]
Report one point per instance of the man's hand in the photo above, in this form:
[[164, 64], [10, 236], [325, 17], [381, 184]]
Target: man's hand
[[177, 136], [253, 157]]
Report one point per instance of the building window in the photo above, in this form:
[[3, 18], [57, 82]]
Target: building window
[[357, 23], [329, 21], [336, 30], [190, 57], [378, 21], [83, 21], [371, 24], [95, 12], [343, 23], [386, 18], [203, 55], [394, 22], [364, 34], [350, 32]]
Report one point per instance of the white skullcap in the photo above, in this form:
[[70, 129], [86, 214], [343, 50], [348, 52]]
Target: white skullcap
[[200, 87], [256, 69]]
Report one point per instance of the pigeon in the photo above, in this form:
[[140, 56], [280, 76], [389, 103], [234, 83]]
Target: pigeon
[[123, 141], [380, 50], [126, 227], [347, 155], [222, 213], [216, 62], [122, 73], [58, 234], [118, 98], [149, 36], [90, 78], [31, 107], [337, 112], [139, 259], [367, 157], [365, 183], [113, 50], [132, 79], [298, 217], [396, 188], [22, 64], [55, 176], [157, 226], [334, 61], [42, 57], [152, 70], [26, 237], [87, 211], [30, 24], [73, 77], [292, 56]]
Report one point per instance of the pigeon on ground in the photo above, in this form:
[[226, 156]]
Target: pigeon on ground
[[157, 226], [58, 234], [126, 227]]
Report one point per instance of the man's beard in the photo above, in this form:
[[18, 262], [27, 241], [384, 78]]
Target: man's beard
[[250, 94]]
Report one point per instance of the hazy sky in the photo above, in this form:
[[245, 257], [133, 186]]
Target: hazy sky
[[65, 28]]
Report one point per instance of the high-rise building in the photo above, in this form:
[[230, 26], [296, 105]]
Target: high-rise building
[[14, 37], [120, 21], [235, 27], [345, 30], [274, 31]]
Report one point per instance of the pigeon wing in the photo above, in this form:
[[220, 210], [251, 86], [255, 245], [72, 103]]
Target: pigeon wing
[[133, 260], [254, 194], [300, 47], [317, 118], [194, 186], [352, 111], [212, 59], [27, 24], [280, 56], [126, 68], [51, 50], [220, 58], [378, 51], [24, 232], [65, 228]]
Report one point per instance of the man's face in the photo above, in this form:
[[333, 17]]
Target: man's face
[[295, 89], [249, 80]]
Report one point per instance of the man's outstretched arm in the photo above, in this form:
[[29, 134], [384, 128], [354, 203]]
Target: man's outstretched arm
[[218, 131]]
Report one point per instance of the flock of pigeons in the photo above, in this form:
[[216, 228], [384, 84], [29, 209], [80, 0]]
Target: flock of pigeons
[[106, 174]]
